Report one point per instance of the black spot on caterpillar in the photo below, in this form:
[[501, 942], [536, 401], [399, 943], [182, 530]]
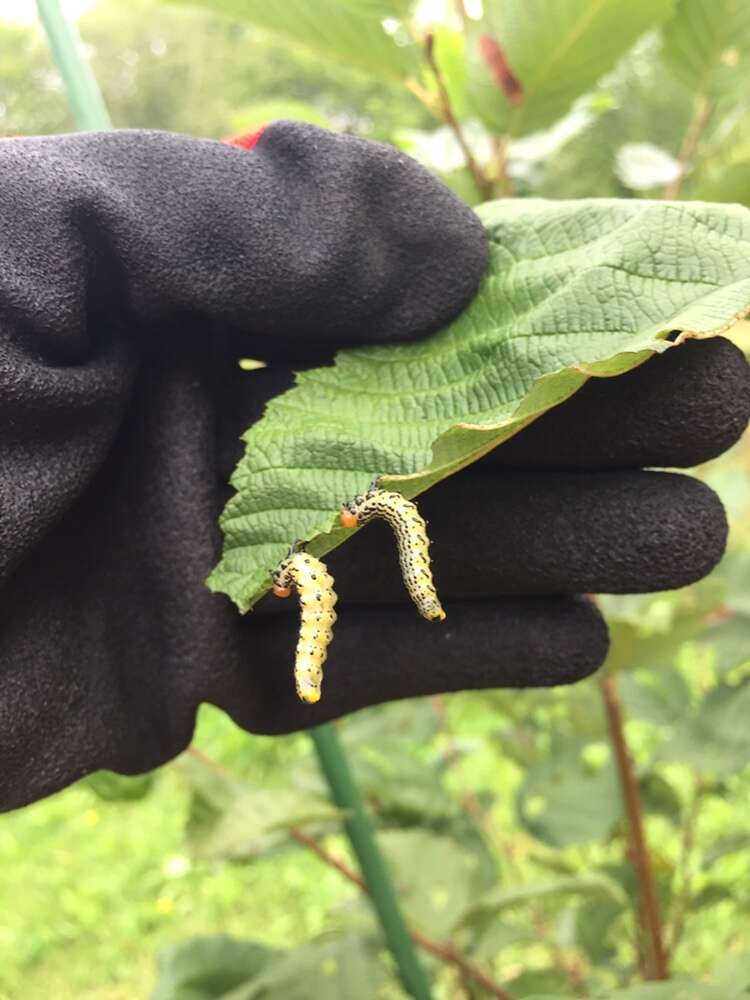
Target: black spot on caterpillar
[[314, 586], [413, 544]]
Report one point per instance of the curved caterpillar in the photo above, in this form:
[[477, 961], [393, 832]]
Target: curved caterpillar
[[314, 585], [411, 533]]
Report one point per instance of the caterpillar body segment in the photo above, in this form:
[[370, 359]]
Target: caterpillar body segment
[[314, 586], [410, 529]]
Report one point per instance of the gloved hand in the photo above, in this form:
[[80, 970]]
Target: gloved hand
[[135, 268]]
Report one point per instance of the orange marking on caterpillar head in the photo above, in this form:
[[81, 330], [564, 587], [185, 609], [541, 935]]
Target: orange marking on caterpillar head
[[348, 519], [281, 591]]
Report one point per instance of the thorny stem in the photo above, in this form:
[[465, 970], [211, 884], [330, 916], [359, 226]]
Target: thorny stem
[[704, 108], [639, 854], [682, 901], [483, 183], [447, 952]]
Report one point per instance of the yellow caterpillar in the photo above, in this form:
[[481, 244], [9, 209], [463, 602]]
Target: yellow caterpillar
[[413, 544], [314, 586]]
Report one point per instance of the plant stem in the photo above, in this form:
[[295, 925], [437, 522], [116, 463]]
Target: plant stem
[[704, 108], [639, 853], [344, 792], [499, 166], [447, 952], [85, 98], [483, 183]]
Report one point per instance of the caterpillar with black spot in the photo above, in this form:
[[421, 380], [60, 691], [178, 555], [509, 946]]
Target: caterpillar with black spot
[[410, 529], [314, 586]]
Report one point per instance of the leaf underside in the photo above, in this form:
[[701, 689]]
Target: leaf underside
[[573, 290]]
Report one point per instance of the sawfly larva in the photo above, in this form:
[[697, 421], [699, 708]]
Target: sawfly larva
[[411, 534], [314, 586]]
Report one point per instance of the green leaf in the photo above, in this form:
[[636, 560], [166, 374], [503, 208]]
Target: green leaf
[[232, 820], [350, 32], [659, 797], [499, 900], [339, 969], [661, 697], [207, 968], [573, 289], [596, 928], [716, 739], [113, 787], [707, 46], [531, 981], [734, 570], [563, 802], [646, 630], [436, 880], [731, 844], [731, 641], [404, 724], [557, 51], [676, 989]]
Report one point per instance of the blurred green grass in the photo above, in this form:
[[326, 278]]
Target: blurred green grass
[[92, 889]]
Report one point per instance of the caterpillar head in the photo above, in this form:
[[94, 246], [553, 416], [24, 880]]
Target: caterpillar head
[[349, 517]]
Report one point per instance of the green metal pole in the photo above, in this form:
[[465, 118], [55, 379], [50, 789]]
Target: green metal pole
[[86, 101], [90, 113], [344, 793]]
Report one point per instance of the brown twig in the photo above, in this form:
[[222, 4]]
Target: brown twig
[[484, 185], [209, 762], [445, 951], [639, 854], [704, 108]]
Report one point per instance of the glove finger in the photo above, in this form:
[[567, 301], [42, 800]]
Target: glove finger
[[382, 653], [311, 242], [519, 533], [678, 409]]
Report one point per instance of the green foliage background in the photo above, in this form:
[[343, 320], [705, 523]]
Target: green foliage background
[[499, 812]]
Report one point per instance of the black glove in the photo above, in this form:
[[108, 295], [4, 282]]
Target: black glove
[[135, 268]]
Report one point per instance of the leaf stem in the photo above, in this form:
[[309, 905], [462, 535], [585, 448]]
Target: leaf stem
[[446, 951], [704, 108], [448, 115], [639, 853]]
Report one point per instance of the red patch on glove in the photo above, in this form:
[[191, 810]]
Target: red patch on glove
[[246, 140]]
